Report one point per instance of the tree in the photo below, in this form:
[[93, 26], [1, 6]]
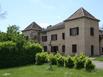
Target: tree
[[12, 29], [3, 36]]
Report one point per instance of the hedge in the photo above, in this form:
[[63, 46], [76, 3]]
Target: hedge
[[11, 54]]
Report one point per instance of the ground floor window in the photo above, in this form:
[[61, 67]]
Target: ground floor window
[[45, 48], [102, 49], [63, 48], [54, 49], [74, 48]]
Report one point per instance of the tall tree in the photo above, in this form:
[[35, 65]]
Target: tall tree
[[12, 29]]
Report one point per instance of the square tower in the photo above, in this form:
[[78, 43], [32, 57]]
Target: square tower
[[82, 33]]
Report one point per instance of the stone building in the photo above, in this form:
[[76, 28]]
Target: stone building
[[78, 33]]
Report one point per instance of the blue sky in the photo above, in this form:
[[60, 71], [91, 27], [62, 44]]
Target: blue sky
[[45, 12]]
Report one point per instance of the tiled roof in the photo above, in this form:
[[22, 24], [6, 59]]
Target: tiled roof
[[78, 14], [81, 13], [32, 26], [55, 27]]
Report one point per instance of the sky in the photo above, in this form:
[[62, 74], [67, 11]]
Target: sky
[[45, 12]]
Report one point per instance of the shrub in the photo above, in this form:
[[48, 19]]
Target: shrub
[[41, 58], [69, 62], [57, 55], [80, 61], [52, 59], [89, 66], [60, 61], [12, 54]]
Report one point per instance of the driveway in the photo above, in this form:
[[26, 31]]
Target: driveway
[[98, 64]]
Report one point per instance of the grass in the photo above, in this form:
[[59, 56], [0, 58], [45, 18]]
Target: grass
[[99, 58], [42, 71]]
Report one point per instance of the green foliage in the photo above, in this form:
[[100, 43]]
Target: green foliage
[[89, 66], [69, 62], [52, 59], [77, 61], [12, 29], [3, 36], [13, 55], [60, 60], [41, 58], [80, 61]]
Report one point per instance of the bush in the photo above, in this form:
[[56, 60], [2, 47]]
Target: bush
[[52, 59], [69, 62], [60, 61], [12, 54], [89, 66], [80, 61], [41, 58]]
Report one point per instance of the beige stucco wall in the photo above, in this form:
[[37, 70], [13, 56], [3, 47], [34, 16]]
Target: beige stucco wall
[[83, 40], [79, 39], [32, 34], [59, 42], [101, 42], [91, 40]]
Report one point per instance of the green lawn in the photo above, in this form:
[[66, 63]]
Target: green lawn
[[41, 71], [100, 58]]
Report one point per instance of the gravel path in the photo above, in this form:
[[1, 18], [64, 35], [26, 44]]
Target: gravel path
[[98, 64]]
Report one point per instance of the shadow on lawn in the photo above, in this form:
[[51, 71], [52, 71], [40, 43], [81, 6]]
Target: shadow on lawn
[[16, 66]]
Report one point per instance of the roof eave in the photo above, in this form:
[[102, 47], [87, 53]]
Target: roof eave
[[79, 18]]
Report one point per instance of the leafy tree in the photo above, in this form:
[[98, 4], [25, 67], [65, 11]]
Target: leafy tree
[[12, 29], [3, 36]]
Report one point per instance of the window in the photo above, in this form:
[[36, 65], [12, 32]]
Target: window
[[92, 50], [54, 49], [63, 36], [102, 49], [74, 48], [54, 37], [45, 48], [74, 31], [44, 38], [92, 31], [63, 48]]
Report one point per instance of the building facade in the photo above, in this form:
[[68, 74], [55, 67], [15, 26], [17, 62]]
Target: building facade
[[78, 33]]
